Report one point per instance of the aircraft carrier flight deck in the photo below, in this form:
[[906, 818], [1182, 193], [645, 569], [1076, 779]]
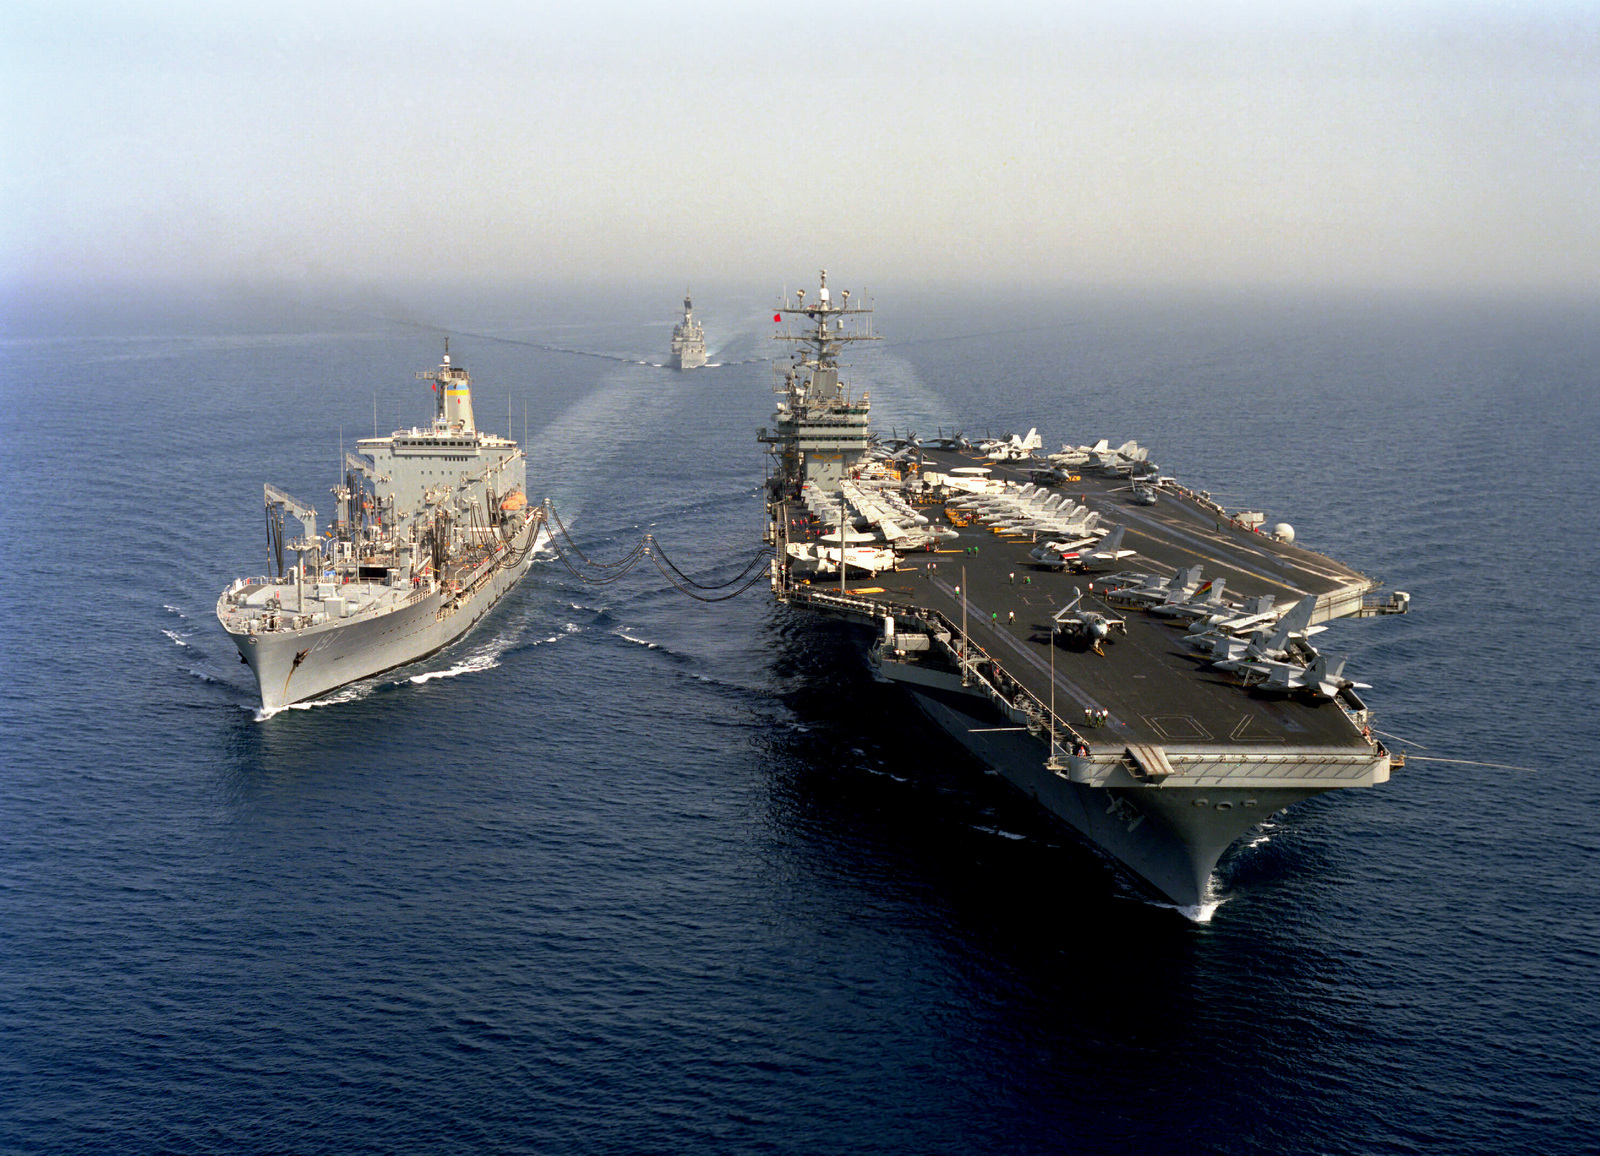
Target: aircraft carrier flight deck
[[1153, 688]]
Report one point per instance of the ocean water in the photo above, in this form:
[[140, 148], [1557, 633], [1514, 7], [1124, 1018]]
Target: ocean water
[[625, 872]]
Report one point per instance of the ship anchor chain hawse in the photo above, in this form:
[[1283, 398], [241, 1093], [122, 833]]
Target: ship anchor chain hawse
[[432, 527], [1114, 644]]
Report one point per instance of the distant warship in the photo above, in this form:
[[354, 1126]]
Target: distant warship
[[688, 340], [1155, 714], [432, 527]]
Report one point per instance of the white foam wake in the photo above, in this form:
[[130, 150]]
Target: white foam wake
[[355, 692], [469, 665], [1203, 911], [485, 657], [908, 403]]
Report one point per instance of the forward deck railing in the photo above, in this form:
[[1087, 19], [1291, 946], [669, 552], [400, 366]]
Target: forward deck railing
[[969, 657], [976, 664]]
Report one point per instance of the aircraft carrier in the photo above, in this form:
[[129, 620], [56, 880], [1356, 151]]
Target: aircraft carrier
[[688, 350], [1119, 647], [433, 527]]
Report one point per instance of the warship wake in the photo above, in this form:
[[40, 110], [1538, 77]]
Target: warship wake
[[1116, 645], [432, 527]]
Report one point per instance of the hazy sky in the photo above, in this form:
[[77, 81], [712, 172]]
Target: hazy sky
[[1386, 143]]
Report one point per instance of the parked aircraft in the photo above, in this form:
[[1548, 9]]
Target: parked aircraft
[[1140, 493], [1157, 591], [1229, 653], [1318, 679], [1071, 556], [1086, 626], [954, 442], [1237, 620], [1206, 600], [1079, 455], [1014, 448]]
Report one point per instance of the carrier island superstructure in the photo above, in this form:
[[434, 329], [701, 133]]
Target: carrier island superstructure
[[431, 527], [1114, 644]]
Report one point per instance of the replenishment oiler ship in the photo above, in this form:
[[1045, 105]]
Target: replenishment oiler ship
[[1125, 652], [432, 527]]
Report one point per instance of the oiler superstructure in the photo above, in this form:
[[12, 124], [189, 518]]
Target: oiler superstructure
[[432, 526], [1152, 712]]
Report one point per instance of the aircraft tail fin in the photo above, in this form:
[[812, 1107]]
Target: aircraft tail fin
[[1066, 611], [1174, 590], [1294, 622]]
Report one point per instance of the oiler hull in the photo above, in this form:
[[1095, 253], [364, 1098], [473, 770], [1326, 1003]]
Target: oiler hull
[[298, 665]]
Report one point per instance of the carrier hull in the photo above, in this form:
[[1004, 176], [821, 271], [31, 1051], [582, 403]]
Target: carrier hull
[[1160, 712], [1169, 836]]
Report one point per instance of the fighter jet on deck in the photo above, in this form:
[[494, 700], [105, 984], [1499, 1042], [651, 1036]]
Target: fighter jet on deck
[[1319, 680], [1069, 555], [1085, 626]]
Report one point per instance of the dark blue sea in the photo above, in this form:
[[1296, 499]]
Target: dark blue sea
[[624, 872]]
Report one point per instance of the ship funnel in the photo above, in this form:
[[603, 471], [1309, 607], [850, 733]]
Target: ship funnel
[[453, 396], [456, 402]]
